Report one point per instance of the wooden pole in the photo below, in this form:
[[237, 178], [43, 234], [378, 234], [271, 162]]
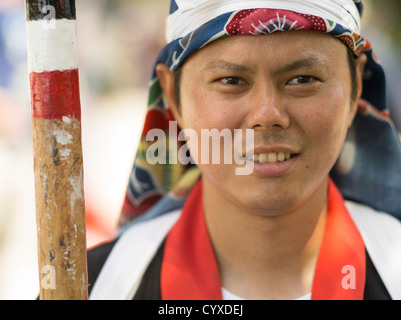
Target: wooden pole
[[58, 163]]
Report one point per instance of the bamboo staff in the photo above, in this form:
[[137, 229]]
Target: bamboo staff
[[58, 165]]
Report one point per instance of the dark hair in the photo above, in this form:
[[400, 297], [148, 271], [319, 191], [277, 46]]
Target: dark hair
[[351, 62]]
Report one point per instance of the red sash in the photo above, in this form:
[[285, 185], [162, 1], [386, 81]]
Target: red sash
[[190, 271]]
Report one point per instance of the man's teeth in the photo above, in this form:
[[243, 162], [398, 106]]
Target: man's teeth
[[271, 157]]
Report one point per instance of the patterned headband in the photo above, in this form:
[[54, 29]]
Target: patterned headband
[[189, 15], [369, 168]]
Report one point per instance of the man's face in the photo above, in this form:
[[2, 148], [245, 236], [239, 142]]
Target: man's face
[[294, 90]]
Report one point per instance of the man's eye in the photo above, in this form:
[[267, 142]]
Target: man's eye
[[301, 80], [232, 81]]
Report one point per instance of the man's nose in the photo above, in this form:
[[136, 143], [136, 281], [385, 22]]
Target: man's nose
[[267, 109]]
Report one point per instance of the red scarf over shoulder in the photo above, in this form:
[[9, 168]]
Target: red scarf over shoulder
[[190, 271]]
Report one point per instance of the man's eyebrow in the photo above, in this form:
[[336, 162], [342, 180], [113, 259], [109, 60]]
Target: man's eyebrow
[[309, 62], [223, 65]]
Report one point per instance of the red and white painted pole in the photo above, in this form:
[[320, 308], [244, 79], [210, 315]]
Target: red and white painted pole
[[58, 161]]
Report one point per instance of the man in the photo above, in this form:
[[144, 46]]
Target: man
[[283, 230]]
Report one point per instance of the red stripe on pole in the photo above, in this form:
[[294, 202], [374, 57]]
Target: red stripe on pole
[[55, 94]]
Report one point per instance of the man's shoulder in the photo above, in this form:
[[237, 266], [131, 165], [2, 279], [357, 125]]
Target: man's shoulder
[[376, 227], [97, 257], [381, 233], [368, 216], [119, 264]]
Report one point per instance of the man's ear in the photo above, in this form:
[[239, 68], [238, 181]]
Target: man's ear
[[360, 63], [167, 83], [360, 67]]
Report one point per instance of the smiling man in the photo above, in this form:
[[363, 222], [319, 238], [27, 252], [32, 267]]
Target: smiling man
[[287, 230]]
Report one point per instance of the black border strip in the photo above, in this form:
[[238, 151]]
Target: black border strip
[[63, 9]]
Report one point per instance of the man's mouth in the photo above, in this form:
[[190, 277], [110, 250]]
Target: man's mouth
[[272, 157]]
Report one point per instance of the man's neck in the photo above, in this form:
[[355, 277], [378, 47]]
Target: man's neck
[[266, 257]]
